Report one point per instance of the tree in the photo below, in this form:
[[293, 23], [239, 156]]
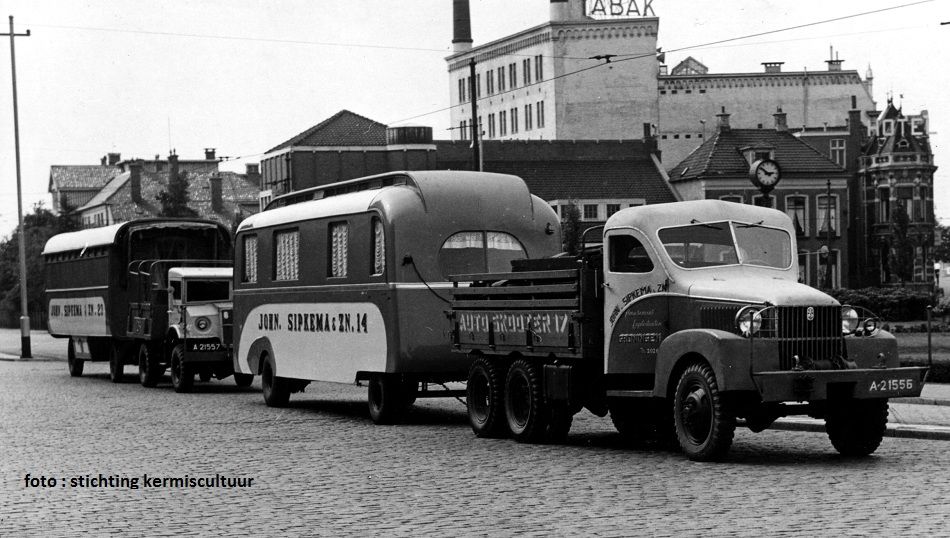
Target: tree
[[174, 198], [571, 228], [39, 225], [941, 243]]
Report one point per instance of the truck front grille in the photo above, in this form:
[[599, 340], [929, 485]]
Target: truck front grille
[[813, 333]]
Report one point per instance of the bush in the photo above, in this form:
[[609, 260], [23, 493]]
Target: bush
[[939, 372], [891, 304]]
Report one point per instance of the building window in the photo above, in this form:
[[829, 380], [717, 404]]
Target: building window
[[490, 80], [502, 123], [463, 130], [249, 270], [514, 120], [501, 79], [538, 69], [479, 129], [590, 211], [286, 255], [827, 214], [513, 75], [803, 267], [478, 86], [884, 205], [920, 204], [764, 200], [526, 70], [829, 261], [837, 151], [339, 239], [462, 90], [491, 125], [540, 112], [612, 208], [796, 207], [379, 248], [528, 117]]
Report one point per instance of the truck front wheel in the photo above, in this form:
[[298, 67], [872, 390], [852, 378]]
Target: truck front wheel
[[150, 371], [75, 365], [183, 379], [704, 427], [856, 427], [525, 409], [484, 399]]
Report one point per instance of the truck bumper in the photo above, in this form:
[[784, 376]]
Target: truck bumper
[[207, 357], [861, 383]]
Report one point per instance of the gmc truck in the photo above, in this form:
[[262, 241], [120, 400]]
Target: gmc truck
[[684, 322]]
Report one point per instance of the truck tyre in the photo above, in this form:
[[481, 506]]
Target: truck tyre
[[704, 427], [75, 365], [243, 380], [525, 409], [183, 379], [856, 427], [150, 371], [484, 399], [116, 363], [386, 399], [276, 392]]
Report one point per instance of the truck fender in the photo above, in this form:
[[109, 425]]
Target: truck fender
[[252, 359], [174, 333], [726, 353]]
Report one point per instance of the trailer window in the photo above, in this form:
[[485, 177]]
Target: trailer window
[[379, 248], [476, 252], [249, 268], [339, 247], [286, 255]]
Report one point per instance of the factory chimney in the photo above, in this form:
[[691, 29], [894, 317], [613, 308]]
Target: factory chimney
[[461, 26]]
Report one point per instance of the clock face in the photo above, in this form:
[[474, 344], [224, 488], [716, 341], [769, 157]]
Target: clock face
[[767, 172]]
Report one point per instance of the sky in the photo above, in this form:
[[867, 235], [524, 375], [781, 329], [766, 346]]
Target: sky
[[141, 78]]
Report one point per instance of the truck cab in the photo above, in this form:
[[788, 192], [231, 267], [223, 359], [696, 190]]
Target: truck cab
[[200, 321], [687, 320]]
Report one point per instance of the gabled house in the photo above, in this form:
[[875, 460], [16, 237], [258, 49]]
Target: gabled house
[[72, 186], [812, 190]]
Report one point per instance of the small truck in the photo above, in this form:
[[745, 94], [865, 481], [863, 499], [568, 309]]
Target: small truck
[[686, 321]]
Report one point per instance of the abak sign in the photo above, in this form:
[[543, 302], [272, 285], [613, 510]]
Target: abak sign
[[619, 9]]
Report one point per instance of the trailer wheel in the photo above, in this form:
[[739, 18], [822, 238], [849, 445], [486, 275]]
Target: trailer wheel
[[116, 363], [525, 409], [183, 379], [485, 399], [387, 399], [75, 365], [276, 392], [150, 370], [243, 380], [856, 427], [704, 427]]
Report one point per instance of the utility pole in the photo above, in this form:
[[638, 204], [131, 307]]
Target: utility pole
[[473, 93], [25, 352]]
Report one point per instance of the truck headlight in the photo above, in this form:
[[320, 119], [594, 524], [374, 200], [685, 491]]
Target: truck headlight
[[749, 321], [202, 323], [849, 320]]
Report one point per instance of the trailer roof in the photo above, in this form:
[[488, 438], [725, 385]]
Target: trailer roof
[[448, 186], [106, 235], [653, 217]]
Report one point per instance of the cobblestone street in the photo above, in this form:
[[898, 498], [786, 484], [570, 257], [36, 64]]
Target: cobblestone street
[[321, 467]]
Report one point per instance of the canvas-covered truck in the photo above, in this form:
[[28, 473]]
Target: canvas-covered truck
[[109, 292], [685, 321]]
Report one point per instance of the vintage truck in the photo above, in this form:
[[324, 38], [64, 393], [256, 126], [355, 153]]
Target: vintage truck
[[144, 292], [684, 321]]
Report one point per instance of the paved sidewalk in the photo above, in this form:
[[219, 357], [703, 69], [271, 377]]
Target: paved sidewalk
[[926, 417]]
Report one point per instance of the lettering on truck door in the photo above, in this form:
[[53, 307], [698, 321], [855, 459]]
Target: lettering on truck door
[[636, 306]]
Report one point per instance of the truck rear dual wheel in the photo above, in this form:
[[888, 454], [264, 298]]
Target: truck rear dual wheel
[[485, 399], [75, 365], [704, 427], [525, 410], [388, 398], [856, 427], [276, 391], [150, 370], [183, 378]]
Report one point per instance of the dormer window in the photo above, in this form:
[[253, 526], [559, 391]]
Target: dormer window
[[903, 144], [755, 153]]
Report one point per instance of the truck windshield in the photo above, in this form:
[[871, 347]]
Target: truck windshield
[[711, 244], [199, 291]]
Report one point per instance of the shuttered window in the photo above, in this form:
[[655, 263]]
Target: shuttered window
[[286, 256], [379, 247], [250, 259]]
